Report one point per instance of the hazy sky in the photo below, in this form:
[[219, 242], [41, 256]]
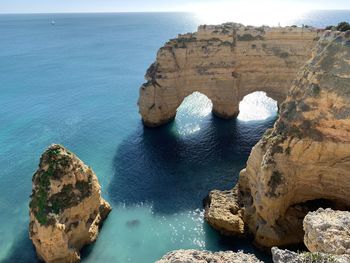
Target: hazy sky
[[49, 6]]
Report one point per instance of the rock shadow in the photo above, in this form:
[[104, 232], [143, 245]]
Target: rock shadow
[[173, 172]]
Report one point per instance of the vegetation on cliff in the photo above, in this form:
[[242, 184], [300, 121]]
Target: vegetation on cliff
[[66, 208], [53, 164], [342, 26]]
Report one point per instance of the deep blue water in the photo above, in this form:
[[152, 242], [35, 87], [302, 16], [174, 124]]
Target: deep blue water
[[76, 83]]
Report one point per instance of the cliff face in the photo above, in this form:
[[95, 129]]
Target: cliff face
[[303, 163], [66, 208], [225, 63]]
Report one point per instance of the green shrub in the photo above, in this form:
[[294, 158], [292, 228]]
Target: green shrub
[[330, 28], [343, 26], [41, 204]]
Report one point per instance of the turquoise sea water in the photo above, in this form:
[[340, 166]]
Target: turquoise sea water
[[76, 83]]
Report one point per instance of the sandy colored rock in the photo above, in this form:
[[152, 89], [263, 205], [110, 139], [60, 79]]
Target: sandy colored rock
[[225, 63], [286, 256], [66, 208], [303, 162], [198, 256], [222, 212], [327, 231]]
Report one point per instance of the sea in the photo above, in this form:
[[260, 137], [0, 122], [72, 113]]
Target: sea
[[74, 79]]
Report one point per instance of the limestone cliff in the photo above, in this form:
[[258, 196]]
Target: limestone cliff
[[66, 208], [225, 63], [303, 163], [198, 256]]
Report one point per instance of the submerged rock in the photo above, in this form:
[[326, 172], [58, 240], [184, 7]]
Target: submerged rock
[[222, 212], [327, 231], [66, 208], [133, 223], [198, 256], [286, 256]]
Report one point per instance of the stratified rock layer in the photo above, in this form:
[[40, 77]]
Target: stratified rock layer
[[327, 231], [225, 63], [66, 208], [197, 256], [286, 256], [303, 163]]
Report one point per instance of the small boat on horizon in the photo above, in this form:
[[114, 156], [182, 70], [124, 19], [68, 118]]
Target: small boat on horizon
[[53, 22]]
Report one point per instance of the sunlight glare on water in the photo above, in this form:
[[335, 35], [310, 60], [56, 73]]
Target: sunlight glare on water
[[144, 231], [190, 115], [257, 106]]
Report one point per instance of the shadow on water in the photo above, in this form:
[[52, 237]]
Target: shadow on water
[[174, 172]]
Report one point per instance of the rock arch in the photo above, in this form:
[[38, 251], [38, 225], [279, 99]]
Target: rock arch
[[303, 162], [224, 62], [266, 107], [200, 99]]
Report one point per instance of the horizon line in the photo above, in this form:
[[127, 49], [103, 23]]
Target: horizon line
[[90, 12], [128, 12]]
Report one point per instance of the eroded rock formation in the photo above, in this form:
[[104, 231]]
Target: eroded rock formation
[[198, 256], [66, 208], [223, 212], [303, 163], [328, 231], [225, 63]]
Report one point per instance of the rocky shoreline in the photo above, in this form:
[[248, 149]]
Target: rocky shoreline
[[300, 165], [295, 188], [303, 162]]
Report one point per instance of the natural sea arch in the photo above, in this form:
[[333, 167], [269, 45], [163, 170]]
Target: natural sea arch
[[225, 63], [195, 107], [257, 106]]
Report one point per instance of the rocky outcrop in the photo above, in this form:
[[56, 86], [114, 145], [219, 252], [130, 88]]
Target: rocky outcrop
[[225, 63], [303, 162], [327, 236], [286, 256], [328, 231], [66, 208], [197, 256], [223, 212]]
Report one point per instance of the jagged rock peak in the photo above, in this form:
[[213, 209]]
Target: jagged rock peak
[[66, 208]]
